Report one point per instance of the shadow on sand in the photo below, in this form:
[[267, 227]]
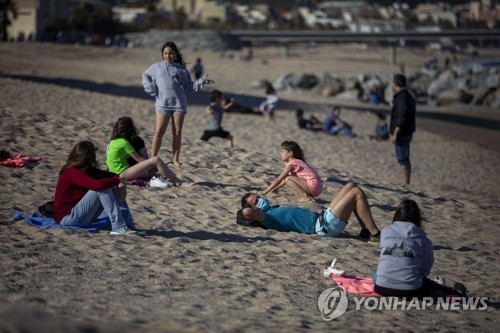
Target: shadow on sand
[[246, 100]]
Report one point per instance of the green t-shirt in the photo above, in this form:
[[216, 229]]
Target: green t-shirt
[[116, 155]]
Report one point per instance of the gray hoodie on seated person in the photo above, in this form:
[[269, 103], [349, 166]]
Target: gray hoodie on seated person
[[406, 256]]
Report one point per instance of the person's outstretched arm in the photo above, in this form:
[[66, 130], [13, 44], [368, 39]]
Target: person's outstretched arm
[[228, 104], [279, 181]]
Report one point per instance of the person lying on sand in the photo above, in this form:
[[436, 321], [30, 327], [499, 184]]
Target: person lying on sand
[[258, 212]]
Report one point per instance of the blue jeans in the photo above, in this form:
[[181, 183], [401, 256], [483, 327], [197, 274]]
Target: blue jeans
[[402, 148], [92, 205], [340, 127]]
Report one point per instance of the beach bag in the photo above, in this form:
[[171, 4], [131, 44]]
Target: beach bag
[[47, 209]]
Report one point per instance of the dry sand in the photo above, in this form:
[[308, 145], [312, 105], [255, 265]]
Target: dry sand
[[197, 270]]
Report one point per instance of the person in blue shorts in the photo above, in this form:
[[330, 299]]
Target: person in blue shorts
[[258, 212]]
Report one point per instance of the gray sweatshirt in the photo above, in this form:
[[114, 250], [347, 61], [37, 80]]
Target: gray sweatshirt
[[215, 122], [406, 256], [169, 84]]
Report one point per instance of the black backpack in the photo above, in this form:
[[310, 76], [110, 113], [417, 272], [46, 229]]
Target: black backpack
[[47, 209]]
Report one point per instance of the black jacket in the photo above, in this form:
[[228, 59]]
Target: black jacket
[[403, 113]]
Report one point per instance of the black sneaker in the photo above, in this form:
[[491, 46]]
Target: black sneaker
[[364, 234], [374, 240], [461, 289], [139, 232]]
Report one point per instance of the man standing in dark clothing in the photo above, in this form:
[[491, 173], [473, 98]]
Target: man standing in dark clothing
[[402, 124]]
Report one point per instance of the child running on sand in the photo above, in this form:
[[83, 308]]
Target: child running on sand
[[120, 149], [214, 124], [297, 174]]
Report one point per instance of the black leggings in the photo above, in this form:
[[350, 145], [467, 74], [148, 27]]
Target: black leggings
[[429, 289]]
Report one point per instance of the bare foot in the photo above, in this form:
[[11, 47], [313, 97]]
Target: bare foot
[[306, 199], [185, 184]]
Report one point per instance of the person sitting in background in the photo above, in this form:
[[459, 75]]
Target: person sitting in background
[[333, 124], [312, 124], [381, 129]]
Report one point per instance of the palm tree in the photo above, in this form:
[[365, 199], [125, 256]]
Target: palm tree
[[7, 7]]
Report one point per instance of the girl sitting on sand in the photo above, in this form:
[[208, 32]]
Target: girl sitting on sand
[[120, 150], [406, 258], [83, 191], [297, 174]]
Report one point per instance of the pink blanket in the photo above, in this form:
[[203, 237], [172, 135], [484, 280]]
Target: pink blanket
[[356, 285], [20, 161]]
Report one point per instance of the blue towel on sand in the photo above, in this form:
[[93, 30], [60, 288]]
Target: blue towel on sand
[[38, 220]]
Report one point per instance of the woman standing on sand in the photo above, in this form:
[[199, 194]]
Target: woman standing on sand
[[168, 81]]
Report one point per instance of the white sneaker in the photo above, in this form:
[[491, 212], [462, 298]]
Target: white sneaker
[[160, 182]]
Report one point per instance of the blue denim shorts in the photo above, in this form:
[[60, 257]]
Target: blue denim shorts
[[170, 112], [402, 148], [328, 224]]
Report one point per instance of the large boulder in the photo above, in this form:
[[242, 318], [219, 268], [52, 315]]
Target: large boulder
[[479, 95], [493, 99], [351, 94], [329, 85], [292, 81], [450, 97], [444, 82]]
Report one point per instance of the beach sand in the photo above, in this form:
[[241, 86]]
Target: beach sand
[[196, 270]]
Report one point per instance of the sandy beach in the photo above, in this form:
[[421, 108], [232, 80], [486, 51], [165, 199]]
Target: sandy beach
[[197, 270]]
